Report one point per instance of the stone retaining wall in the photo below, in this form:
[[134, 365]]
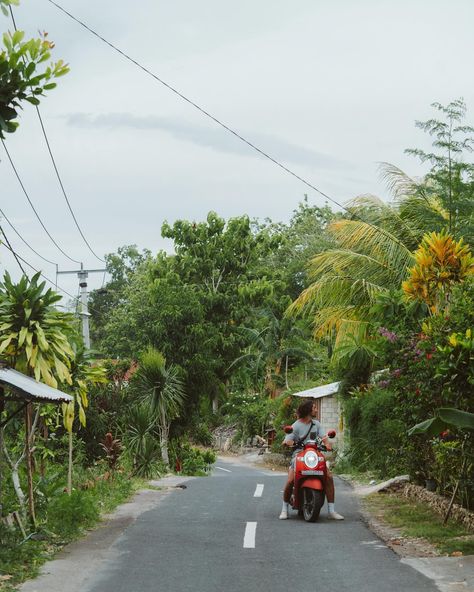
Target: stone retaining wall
[[439, 504]]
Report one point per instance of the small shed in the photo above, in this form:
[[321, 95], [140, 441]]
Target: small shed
[[329, 409], [25, 389]]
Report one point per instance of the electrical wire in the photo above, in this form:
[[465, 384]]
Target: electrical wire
[[33, 207], [18, 257], [53, 160], [25, 241], [353, 214], [8, 245]]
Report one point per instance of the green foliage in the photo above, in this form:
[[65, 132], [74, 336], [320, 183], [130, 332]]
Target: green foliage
[[121, 267], [17, 558], [141, 444], [62, 518], [160, 384], [201, 434], [375, 432], [250, 411], [23, 76], [417, 520], [444, 419], [68, 513], [425, 371], [5, 3], [450, 177], [192, 460], [33, 334], [447, 468]]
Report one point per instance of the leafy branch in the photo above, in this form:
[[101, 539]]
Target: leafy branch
[[22, 76]]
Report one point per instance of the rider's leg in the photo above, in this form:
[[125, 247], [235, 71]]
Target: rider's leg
[[289, 486], [330, 494], [287, 494]]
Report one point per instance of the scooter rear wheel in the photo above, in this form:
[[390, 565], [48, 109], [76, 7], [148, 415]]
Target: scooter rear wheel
[[313, 500]]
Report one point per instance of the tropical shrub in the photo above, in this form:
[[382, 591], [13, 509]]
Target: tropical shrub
[[376, 434], [190, 460]]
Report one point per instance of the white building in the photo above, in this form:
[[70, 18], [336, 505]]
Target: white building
[[329, 408]]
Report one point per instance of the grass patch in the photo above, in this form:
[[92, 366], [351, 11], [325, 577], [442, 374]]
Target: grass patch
[[345, 469], [65, 518], [416, 520]]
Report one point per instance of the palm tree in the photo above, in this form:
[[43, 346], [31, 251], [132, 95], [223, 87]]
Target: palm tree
[[269, 348], [375, 249], [163, 390]]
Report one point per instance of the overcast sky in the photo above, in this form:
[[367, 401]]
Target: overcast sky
[[328, 88]]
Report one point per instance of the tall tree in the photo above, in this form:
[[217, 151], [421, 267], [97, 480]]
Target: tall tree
[[450, 177], [121, 267], [163, 390], [376, 241]]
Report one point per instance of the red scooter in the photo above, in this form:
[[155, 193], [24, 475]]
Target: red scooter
[[310, 476]]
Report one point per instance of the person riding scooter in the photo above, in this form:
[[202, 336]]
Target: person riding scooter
[[302, 427]]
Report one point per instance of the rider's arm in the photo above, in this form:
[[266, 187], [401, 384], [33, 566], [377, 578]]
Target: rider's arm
[[290, 439], [324, 437]]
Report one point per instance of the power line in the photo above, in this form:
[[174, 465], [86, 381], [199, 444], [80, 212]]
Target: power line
[[19, 258], [221, 123], [195, 105], [25, 241], [57, 171], [14, 254], [33, 207]]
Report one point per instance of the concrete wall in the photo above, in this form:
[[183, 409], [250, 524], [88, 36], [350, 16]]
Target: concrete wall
[[331, 416]]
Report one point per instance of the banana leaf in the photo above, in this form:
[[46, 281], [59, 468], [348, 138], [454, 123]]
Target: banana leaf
[[445, 418]]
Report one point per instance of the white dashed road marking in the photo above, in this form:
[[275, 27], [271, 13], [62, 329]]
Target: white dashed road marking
[[249, 536], [258, 490], [221, 469]]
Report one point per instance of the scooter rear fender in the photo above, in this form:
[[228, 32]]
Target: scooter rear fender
[[312, 484]]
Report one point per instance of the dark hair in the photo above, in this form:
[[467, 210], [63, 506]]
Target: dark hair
[[305, 408]]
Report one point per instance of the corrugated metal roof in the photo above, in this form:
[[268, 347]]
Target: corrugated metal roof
[[319, 391], [30, 388]]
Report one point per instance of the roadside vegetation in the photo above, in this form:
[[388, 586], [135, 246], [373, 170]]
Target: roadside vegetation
[[417, 521], [221, 332]]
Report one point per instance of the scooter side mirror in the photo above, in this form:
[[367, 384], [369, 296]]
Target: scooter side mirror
[[288, 429], [313, 435], [332, 434]]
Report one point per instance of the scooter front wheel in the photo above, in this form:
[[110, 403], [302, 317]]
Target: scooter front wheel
[[313, 500]]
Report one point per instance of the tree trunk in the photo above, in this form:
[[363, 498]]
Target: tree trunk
[[16, 478], [215, 402], [164, 449], [286, 373], [29, 462], [17, 487], [164, 429], [69, 469]]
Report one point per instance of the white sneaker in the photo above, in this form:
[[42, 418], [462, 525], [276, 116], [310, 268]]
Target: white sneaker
[[335, 516], [283, 515]]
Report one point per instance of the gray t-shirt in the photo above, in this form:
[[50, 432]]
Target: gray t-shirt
[[301, 430]]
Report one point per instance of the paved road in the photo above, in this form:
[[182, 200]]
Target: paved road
[[221, 534]]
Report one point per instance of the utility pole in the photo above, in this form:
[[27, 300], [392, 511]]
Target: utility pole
[[84, 314]]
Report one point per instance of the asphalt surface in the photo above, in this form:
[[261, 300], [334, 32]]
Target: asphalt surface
[[193, 540]]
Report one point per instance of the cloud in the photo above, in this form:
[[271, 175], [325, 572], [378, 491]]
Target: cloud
[[211, 137]]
